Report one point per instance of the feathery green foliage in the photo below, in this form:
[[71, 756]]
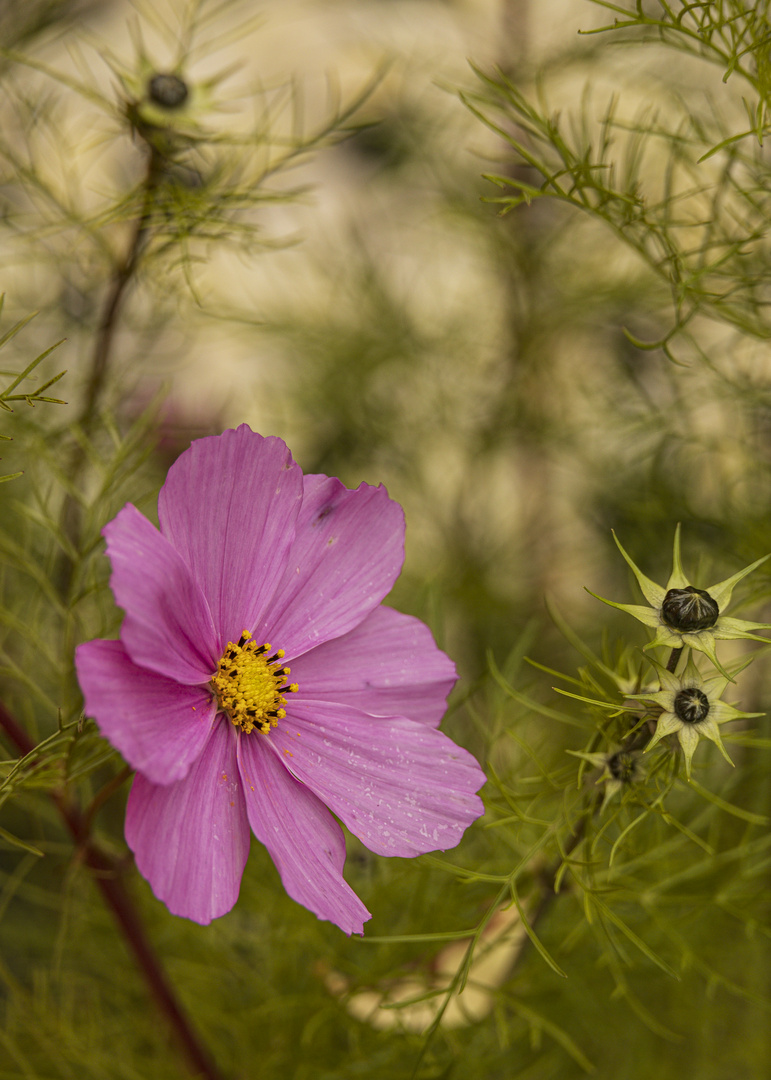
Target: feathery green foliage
[[14, 388], [523, 382]]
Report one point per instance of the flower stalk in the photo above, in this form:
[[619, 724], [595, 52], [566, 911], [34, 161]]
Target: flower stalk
[[674, 656], [123, 274], [106, 871]]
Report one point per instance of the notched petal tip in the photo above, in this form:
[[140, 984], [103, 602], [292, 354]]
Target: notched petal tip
[[303, 839], [347, 553], [237, 549]]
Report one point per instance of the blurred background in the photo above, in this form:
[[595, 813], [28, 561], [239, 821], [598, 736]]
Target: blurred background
[[349, 247]]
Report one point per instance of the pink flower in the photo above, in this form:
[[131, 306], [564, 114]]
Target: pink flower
[[257, 570]]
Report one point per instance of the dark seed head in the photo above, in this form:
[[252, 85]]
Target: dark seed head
[[622, 766], [691, 705], [689, 609], [167, 90]]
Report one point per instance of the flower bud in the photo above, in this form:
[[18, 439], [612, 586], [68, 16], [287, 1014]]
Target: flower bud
[[167, 90], [622, 766], [691, 705], [689, 609]]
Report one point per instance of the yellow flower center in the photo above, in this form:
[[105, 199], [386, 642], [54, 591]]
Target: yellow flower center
[[250, 684]]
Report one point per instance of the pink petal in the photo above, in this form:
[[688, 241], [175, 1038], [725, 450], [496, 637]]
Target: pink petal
[[347, 553], [168, 627], [158, 725], [304, 840], [402, 787], [389, 665], [191, 838], [229, 507]]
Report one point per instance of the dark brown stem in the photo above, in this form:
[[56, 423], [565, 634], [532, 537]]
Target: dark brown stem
[[104, 794], [549, 880], [674, 656], [106, 871]]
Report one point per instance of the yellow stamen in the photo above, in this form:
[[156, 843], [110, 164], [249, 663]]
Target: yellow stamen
[[250, 684]]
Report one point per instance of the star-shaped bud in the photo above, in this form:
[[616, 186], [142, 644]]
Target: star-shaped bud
[[691, 708], [166, 106], [683, 615]]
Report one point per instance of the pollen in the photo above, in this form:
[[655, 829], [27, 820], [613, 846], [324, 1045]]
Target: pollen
[[250, 684]]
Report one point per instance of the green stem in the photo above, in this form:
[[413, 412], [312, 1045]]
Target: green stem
[[123, 274]]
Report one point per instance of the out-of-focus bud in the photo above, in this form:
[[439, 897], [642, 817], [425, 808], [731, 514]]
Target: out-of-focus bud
[[167, 90], [166, 108], [619, 770], [623, 766]]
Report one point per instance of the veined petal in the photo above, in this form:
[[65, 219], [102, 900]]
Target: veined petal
[[191, 838], [721, 593], [709, 729], [652, 592], [677, 579], [689, 740], [664, 635], [715, 686], [347, 553], [643, 614], [388, 665], [664, 698], [168, 627], [303, 839], [721, 712], [741, 624], [159, 725], [667, 723], [727, 628], [704, 641], [669, 680], [229, 507], [402, 787]]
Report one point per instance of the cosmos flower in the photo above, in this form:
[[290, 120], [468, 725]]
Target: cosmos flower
[[692, 708], [256, 572], [683, 615]]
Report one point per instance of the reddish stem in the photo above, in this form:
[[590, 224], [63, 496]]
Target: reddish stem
[[106, 871]]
